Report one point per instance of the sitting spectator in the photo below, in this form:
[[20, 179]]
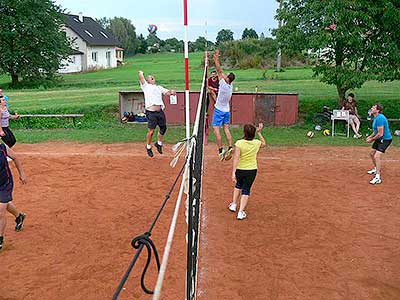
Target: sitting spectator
[[354, 120]]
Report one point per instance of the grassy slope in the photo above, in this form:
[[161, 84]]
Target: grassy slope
[[96, 91]]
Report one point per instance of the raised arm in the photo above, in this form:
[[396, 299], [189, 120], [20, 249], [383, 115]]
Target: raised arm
[[218, 67], [141, 77], [260, 136]]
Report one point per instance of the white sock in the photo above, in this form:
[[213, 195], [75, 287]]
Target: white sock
[[148, 146], [160, 143]]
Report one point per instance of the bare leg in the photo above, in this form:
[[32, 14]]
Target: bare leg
[[372, 154], [243, 202], [160, 137], [228, 134], [357, 125], [11, 208], [3, 221], [218, 136], [377, 159], [353, 126], [236, 195], [149, 136]]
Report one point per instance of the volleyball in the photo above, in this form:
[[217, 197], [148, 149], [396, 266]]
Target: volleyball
[[310, 134], [152, 28], [326, 132]]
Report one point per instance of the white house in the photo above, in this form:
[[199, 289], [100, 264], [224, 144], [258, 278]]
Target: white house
[[93, 47]]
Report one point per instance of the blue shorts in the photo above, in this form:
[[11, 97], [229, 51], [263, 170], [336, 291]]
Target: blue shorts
[[221, 117]]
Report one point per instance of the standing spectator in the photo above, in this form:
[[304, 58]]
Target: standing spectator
[[245, 167], [382, 138], [222, 115], [6, 189], [350, 104], [213, 86], [154, 110], [4, 96], [5, 132]]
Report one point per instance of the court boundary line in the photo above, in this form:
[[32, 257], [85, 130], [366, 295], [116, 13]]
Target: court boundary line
[[125, 154]]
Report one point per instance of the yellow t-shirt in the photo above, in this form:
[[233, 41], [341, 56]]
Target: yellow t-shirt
[[248, 154]]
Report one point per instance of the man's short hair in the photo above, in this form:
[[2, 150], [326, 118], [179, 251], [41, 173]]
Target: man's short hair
[[231, 77], [213, 72], [379, 107], [351, 95]]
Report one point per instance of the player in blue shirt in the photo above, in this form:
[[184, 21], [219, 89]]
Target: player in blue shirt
[[382, 138]]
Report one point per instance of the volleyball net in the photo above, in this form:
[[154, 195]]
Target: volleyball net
[[191, 173]]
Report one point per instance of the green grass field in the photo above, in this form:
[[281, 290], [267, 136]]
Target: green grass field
[[96, 95]]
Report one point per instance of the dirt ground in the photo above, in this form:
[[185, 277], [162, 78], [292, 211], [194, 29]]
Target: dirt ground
[[316, 228]]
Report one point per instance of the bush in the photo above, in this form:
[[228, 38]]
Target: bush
[[255, 53]]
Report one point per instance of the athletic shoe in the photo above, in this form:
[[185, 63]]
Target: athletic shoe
[[241, 215], [229, 153], [159, 147], [357, 136], [1, 242], [149, 152], [372, 171], [222, 155], [19, 222], [232, 207], [375, 180]]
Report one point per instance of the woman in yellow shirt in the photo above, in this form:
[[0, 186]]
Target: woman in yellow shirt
[[245, 167]]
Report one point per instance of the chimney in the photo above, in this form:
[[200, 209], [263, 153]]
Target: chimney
[[80, 17]]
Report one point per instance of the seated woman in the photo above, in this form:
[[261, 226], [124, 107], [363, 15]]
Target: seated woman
[[354, 121]]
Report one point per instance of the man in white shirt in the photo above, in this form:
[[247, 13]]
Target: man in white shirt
[[154, 110], [222, 115]]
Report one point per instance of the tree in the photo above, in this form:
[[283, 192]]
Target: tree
[[153, 43], [224, 35], [104, 22], [200, 44], [249, 34], [142, 44], [32, 45], [352, 41], [125, 33], [174, 45]]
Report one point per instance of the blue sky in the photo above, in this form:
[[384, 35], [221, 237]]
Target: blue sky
[[168, 15]]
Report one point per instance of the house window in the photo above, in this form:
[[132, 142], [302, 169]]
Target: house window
[[103, 34], [88, 33], [94, 56]]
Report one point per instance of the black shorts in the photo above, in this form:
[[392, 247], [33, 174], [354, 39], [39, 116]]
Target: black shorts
[[155, 118], [381, 145], [9, 138], [244, 180], [6, 192]]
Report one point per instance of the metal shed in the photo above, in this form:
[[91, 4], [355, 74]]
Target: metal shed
[[273, 109]]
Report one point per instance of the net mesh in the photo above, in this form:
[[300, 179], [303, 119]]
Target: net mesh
[[195, 191]]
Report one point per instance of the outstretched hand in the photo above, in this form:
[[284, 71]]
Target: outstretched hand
[[260, 126], [216, 53]]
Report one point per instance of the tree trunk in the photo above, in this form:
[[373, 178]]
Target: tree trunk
[[14, 79], [341, 93]]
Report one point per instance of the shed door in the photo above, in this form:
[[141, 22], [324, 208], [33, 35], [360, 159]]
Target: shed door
[[286, 110], [264, 106]]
